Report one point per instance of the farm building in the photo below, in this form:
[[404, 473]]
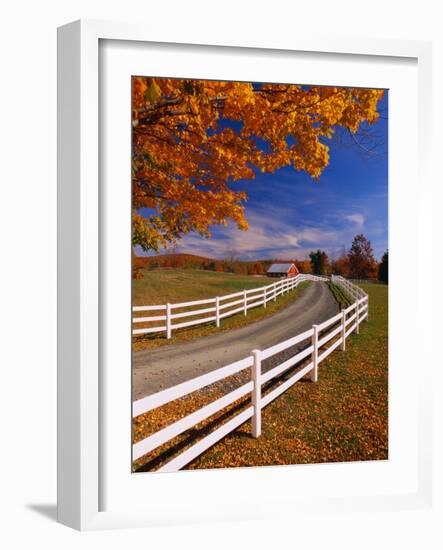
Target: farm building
[[282, 270]]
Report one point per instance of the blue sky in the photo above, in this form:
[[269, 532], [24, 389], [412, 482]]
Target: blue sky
[[291, 214]]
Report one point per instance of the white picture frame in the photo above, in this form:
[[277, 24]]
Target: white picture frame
[[80, 395]]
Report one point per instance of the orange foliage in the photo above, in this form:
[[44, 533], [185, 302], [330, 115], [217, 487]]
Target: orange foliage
[[304, 266], [340, 266], [184, 162]]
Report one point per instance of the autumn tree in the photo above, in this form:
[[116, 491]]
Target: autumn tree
[[240, 268], [137, 267], [175, 260], [255, 268], [304, 266], [362, 264], [232, 258], [259, 268], [340, 266], [383, 268], [193, 139], [319, 262]]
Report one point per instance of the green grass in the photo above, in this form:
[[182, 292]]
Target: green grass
[[340, 295], [343, 417], [183, 285], [160, 286]]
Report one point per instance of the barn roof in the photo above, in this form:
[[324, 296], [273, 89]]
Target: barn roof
[[279, 268]]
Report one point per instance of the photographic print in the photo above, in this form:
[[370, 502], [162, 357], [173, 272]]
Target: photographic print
[[259, 274]]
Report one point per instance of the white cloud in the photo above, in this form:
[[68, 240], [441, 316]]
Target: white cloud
[[270, 235], [357, 219]]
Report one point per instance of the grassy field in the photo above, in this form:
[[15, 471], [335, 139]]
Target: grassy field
[[162, 286], [343, 417]]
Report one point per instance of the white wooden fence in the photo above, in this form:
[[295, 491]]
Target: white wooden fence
[[218, 308], [352, 290], [321, 340]]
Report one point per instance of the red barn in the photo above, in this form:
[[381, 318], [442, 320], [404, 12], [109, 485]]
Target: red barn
[[282, 270]]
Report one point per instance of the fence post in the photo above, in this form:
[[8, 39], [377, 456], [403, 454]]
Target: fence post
[[217, 311], [264, 296], [367, 308], [245, 304], [168, 321], [275, 292], [314, 371], [256, 393], [343, 330], [357, 317]]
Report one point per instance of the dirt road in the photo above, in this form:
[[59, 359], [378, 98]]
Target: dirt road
[[154, 370]]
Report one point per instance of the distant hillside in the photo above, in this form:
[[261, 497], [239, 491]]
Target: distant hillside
[[193, 261]]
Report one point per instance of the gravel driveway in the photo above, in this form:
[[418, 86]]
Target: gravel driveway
[[154, 370]]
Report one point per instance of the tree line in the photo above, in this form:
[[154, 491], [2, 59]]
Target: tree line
[[356, 263], [190, 261]]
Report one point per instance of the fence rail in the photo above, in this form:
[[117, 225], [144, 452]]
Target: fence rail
[[220, 306], [322, 339]]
